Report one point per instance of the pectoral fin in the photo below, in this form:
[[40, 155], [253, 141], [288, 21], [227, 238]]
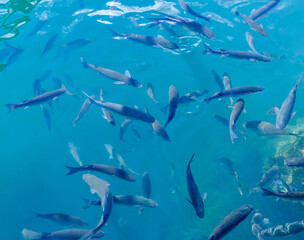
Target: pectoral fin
[[204, 196], [119, 82], [292, 115], [127, 73], [274, 110]]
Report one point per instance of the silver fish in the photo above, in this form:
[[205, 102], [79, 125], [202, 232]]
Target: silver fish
[[250, 40], [235, 114], [134, 201], [293, 196], [188, 9], [269, 176], [262, 11], [84, 111], [150, 92], [45, 97], [237, 54], [234, 92], [173, 103], [67, 234], [227, 84], [118, 78], [73, 151], [100, 187], [103, 169], [252, 24], [230, 222], [284, 113], [62, 219], [124, 110], [106, 114], [123, 165], [110, 150]]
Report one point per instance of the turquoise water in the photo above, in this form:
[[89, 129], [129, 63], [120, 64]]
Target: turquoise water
[[33, 157]]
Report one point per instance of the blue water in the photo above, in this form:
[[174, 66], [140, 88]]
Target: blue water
[[32, 173]]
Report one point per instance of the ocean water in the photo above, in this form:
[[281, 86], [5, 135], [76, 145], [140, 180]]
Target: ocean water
[[33, 173]]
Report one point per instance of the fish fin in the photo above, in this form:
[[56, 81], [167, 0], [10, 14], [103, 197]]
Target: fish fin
[[127, 73], [100, 95], [274, 110], [266, 192], [91, 99], [55, 98], [72, 170], [11, 107], [233, 136], [164, 109], [292, 115], [261, 25], [244, 110], [189, 201], [74, 123], [140, 210], [119, 83], [208, 50], [224, 55], [204, 196], [299, 80], [85, 64], [266, 221], [88, 203]]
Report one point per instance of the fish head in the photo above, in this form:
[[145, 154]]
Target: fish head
[[134, 83], [247, 209]]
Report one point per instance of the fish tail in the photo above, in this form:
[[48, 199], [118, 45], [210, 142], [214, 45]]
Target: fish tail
[[11, 107], [299, 80], [266, 192], [85, 64], [72, 170], [191, 159], [114, 33], [140, 210], [233, 136], [91, 99], [208, 50], [74, 123], [36, 215], [88, 203]]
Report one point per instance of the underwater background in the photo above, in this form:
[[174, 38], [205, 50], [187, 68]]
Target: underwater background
[[32, 174]]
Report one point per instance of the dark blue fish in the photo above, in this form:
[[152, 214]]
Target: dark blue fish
[[50, 44], [173, 103], [262, 11], [237, 54], [188, 9], [62, 219], [14, 57], [196, 199], [230, 222], [218, 80]]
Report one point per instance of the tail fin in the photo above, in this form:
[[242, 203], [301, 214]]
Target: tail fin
[[72, 170], [11, 107], [85, 64], [88, 203], [37, 215], [233, 136], [208, 50], [299, 80], [100, 95], [67, 92], [31, 235], [266, 192], [74, 123]]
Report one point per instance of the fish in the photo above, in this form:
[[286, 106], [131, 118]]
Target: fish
[[14, 57], [293, 196], [256, 27], [124, 110], [159, 130], [235, 114], [120, 173], [191, 97], [231, 221], [110, 150], [45, 97], [123, 165], [84, 111], [185, 6], [146, 185], [134, 201], [62, 234], [62, 219], [106, 114], [40, 24], [173, 103], [237, 54], [229, 165], [158, 42], [50, 44], [150, 92], [234, 92], [262, 11], [284, 230], [73, 151], [269, 176], [218, 80], [78, 43], [118, 78], [100, 187], [266, 129], [196, 200], [294, 162], [250, 40], [225, 122], [189, 24], [123, 127], [227, 84], [284, 113]]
